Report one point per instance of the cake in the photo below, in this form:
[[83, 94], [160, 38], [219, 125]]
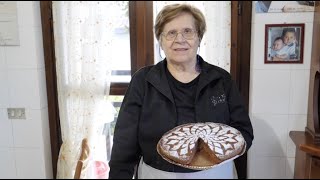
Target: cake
[[201, 144]]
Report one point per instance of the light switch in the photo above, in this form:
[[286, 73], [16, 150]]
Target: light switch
[[11, 113], [16, 113]]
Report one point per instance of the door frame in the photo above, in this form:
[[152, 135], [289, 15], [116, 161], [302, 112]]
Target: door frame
[[241, 15]]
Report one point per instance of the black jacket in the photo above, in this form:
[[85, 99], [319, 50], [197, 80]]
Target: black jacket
[[148, 111]]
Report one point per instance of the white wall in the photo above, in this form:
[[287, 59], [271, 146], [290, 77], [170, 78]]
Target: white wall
[[278, 99], [25, 150]]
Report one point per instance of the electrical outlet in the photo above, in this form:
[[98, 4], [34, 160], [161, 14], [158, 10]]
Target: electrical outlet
[[16, 113]]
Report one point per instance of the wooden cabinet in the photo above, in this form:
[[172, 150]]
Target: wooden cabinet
[[307, 162], [315, 170]]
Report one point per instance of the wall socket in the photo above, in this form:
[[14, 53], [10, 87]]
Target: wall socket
[[16, 113]]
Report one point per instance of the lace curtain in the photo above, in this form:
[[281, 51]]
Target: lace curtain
[[215, 47], [82, 34]]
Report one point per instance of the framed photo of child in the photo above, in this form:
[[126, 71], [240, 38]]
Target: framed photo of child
[[284, 43]]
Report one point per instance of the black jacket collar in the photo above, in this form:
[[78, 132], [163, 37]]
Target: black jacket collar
[[157, 77]]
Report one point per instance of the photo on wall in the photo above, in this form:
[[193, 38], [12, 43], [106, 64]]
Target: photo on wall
[[284, 43], [284, 6]]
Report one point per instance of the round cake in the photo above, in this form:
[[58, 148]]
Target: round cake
[[201, 144]]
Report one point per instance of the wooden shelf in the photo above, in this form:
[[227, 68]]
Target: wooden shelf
[[307, 162], [305, 143]]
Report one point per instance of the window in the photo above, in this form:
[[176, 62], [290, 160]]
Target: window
[[121, 65], [109, 128], [141, 44]]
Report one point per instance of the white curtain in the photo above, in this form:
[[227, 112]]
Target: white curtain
[[215, 47], [82, 34]]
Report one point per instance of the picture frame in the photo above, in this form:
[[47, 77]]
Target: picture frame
[[284, 43]]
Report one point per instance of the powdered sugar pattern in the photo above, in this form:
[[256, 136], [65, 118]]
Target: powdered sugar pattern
[[223, 140]]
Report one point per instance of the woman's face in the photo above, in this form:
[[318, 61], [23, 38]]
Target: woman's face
[[180, 49]]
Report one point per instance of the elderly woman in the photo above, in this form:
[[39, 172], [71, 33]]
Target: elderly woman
[[180, 89]]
